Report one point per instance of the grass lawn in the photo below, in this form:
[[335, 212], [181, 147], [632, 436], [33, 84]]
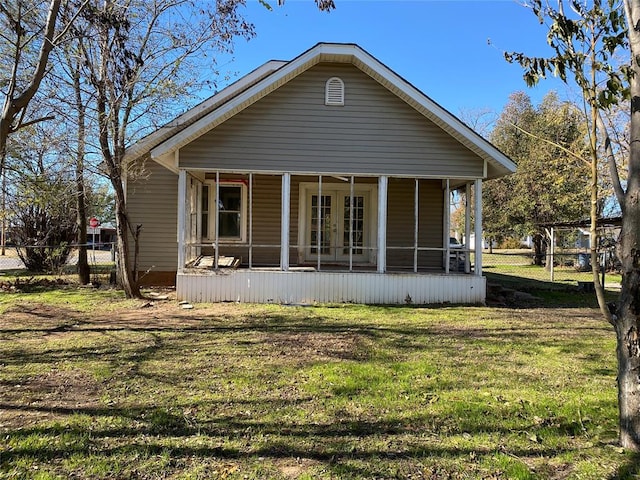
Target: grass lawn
[[95, 386]]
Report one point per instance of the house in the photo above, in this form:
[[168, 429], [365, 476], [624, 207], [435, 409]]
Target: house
[[326, 178], [103, 235]]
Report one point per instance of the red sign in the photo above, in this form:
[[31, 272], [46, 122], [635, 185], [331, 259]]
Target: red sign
[[94, 222]]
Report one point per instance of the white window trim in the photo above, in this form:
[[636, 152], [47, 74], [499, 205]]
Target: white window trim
[[212, 212], [305, 188], [329, 99]]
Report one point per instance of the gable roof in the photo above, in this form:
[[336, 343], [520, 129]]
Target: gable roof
[[164, 142]]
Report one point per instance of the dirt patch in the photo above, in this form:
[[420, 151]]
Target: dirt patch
[[294, 468], [310, 346], [48, 396]]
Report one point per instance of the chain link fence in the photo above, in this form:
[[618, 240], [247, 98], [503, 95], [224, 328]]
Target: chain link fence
[[561, 267], [102, 254], [570, 267]]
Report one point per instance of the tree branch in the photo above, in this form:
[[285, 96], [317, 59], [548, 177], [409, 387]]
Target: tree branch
[[564, 149], [43, 57], [32, 122], [70, 23], [611, 160]]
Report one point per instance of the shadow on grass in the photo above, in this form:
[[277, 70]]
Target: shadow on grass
[[153, 429], [630, 470], [290, 333]]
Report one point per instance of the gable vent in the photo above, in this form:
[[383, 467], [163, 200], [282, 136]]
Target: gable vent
[[334, 92]]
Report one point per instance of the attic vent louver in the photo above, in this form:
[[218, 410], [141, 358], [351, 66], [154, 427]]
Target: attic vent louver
[[334, 92]]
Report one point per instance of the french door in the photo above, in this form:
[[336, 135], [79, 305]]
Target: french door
[[335, 226]]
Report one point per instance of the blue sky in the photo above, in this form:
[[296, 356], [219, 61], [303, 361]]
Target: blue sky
[[441, 47]]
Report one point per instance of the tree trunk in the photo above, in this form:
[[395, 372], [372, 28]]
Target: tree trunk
[[593, 190], [84, 271], [124, 272], [539, 249], [627, 322]]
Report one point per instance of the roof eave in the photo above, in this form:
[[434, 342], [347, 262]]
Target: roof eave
[[499, 164], [145, 144]]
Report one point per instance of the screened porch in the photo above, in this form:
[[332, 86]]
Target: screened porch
[[330, 238]]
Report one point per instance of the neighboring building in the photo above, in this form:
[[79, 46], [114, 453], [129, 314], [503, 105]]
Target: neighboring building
[[321, 179], [103, 236]]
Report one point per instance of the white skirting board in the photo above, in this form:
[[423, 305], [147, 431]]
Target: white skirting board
[[254, 286]]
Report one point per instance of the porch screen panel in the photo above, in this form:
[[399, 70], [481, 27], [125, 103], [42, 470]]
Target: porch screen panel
[[193, 187], [357, 228], [324, 242], [229, 211], [205, 211]]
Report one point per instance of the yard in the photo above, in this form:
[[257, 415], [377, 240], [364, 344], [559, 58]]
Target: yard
[[95, 386]]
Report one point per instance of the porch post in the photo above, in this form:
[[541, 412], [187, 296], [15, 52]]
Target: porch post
[[250, 220], [467, 228], [447, 227], [182, 218], [284, 222], [216, 252], [383, 182], [320, 214], [478, 227], [351, 194], [416, 218], [198, 218]]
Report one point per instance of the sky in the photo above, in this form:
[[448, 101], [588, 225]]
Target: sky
[[452, 50]]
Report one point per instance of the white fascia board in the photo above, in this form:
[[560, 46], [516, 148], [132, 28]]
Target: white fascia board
[[441, 114], [251, 95], [143, 145]]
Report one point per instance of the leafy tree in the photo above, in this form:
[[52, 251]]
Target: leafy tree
[[42, 201], [585, 45], [550, 183]]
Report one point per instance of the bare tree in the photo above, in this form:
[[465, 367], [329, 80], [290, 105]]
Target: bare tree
[[23, 31], [138, 57]]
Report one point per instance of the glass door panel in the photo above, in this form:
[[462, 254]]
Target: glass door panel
[[325, 213], [353, 232], [338, 233]]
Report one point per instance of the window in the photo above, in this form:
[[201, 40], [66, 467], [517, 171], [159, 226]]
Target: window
[[232, 204], [334, 92]]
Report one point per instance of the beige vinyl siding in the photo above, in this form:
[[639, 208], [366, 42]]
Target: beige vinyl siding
[[401, 222], [291, 129], [152, 201]]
